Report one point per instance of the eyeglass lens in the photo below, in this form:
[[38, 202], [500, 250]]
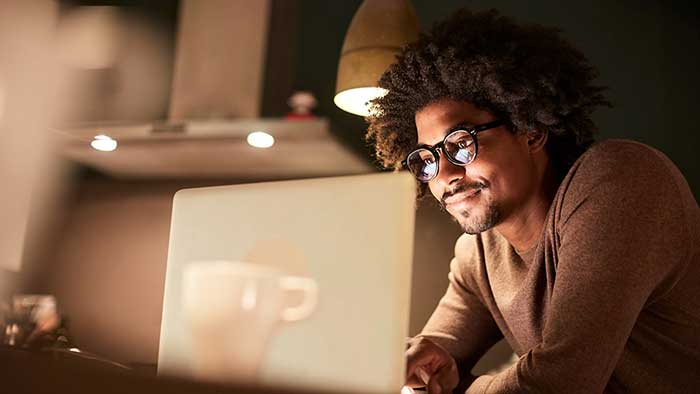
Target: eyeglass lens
[[423, 164], [459, 146]]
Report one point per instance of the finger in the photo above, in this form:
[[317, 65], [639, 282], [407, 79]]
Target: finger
[[435, 384], [414, 378], [414, 383], [420, 356], [444, 380], [423, 374], [419, 378], [423, 358]]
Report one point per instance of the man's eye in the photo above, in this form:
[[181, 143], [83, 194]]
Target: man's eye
[[463, 143]]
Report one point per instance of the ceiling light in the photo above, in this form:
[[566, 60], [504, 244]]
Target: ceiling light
[[104, 143], [260, 139], [377, 32]]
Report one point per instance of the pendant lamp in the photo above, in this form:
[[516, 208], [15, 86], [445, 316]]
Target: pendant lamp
[[377, 32]]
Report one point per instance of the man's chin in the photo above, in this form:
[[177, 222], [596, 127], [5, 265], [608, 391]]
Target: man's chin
[[475, 223], [474, 228]]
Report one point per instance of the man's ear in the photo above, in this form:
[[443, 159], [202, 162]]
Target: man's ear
[[536, 140]]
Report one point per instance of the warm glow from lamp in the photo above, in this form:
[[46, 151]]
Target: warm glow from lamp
[[260, 139], [356, 101], [378, 31], [103, 143]]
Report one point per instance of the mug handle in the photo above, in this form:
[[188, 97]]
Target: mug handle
[[303, 310]]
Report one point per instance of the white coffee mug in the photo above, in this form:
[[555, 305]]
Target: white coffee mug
[[231, 310]]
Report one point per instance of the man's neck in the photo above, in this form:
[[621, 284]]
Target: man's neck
[[522, 228]]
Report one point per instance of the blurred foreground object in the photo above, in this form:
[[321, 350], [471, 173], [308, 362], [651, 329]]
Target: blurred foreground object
[[27, 105], [29, 320]]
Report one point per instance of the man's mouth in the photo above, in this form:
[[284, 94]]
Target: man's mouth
[[463, 192], [461, 197]]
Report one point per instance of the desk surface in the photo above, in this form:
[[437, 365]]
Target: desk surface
[[22, 371]]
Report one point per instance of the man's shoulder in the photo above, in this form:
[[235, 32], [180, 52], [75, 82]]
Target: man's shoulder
[[617, 144], [622, 156], [621, 176], [619, 163]]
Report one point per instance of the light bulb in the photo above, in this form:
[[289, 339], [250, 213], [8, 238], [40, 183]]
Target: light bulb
[[103, 143], [260, 139], [356, 101]]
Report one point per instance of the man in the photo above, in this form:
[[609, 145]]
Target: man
[[584, 256]]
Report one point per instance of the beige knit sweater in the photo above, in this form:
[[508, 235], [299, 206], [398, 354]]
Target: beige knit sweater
[[607, 301]]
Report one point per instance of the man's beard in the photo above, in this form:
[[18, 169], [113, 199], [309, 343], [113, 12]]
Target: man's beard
[[469, 220], [475, 224]]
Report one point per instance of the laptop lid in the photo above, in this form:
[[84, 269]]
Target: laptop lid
[[353, 235]]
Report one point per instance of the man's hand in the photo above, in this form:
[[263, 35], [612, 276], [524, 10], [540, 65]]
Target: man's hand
[[431, 366]]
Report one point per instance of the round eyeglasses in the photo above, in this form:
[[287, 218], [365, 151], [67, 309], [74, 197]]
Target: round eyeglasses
[[460, 147]]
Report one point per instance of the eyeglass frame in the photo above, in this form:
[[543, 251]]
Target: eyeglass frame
[[440, 146]]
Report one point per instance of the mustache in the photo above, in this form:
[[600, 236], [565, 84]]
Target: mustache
[[461, 188]]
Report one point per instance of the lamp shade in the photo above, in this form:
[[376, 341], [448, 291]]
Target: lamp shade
[[377, 32]]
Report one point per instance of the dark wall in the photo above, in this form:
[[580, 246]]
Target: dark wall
[[647, 54]]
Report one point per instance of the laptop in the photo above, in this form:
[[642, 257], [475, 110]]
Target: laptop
[[353, 235]]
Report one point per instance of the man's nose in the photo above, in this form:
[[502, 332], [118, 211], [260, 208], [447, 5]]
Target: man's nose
[[448, 173]]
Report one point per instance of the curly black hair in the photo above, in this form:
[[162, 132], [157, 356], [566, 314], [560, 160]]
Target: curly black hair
[[526, 74]]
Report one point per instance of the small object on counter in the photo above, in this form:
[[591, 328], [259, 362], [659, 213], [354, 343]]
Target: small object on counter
[[302, 103], [31, 320]]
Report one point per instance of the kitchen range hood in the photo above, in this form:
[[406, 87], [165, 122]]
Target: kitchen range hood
[[213, 96]]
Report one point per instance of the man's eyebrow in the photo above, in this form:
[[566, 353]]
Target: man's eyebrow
[[459, 126]]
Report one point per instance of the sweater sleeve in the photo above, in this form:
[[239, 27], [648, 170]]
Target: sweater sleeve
[[622, 243], [461, 323]]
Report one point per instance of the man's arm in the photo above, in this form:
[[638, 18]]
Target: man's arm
[[623, 239], [461, 324]]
